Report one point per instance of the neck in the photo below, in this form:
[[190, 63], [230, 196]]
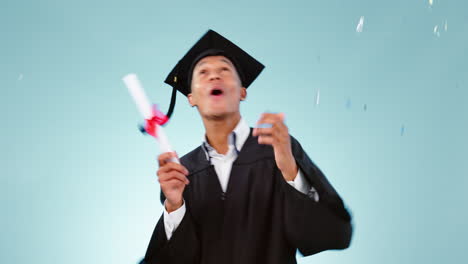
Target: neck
[[218, 130]]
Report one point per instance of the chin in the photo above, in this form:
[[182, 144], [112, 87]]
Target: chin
[[218, 115]]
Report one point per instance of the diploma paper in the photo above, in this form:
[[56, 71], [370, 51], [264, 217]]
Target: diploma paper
[[144, 106]]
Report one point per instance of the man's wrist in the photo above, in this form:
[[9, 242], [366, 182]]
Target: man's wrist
[[172, 206], [291, 173]]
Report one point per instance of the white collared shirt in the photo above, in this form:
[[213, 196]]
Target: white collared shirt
[[223, 164]]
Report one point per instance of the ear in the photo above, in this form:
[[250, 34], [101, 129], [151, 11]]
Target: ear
[[243, 94], [191, 100]]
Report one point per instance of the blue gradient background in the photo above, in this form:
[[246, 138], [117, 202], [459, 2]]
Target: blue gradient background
[[78, 181]]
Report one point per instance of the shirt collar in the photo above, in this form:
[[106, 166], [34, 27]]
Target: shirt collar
[[241, 132]]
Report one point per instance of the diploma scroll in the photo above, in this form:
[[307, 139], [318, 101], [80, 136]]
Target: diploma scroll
[[141, 100]]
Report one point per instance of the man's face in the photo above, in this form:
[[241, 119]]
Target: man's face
[[216, 87]]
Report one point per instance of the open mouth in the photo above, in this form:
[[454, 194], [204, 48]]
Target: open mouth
[[216, 92]]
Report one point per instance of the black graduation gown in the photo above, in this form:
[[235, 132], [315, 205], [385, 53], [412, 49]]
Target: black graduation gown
[[259, 219]]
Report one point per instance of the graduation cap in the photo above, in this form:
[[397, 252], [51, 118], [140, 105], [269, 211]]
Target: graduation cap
[[211, 44]]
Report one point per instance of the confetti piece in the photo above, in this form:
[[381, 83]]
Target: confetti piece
[[20, 77], [436, 31], [264, 125], [317, 97], [445, 26], [348, 103], [402, 130], [430, 2], [360, 25], [365, 107], [318, 59]]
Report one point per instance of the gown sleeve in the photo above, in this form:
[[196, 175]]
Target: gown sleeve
[[314, 226], [183, 247]]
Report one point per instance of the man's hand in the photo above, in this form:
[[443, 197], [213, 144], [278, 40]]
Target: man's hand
[[278, 136], [172, 177]]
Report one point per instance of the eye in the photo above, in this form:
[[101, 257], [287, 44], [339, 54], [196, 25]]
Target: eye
[[202, 72], [225, 69]]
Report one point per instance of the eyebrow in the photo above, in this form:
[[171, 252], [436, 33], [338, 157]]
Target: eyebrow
[[222, 59]]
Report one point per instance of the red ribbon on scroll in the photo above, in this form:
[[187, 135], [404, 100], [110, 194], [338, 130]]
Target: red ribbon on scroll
[[158, 119]]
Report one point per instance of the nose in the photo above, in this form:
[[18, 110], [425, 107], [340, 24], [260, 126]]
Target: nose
[[214, 76]]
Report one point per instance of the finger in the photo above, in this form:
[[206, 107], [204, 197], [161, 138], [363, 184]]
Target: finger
[[172, 184], [270, 120], [266, 140], [173, 175], [255, 131], [265, 117], [266, 120], [172, 181], [278, 128], [277, 123], [282, 116], [169, 168], [172, 166], [263, 131], [181, 178], [165, 158], [262, 118], [268, 115]]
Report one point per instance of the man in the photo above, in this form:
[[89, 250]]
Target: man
[[245, 195]]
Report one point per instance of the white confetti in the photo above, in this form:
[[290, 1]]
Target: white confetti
[[317, 97], [430, 2], [445, 26], [360, 25], [436, 31], [20, 77], [264, 125]]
